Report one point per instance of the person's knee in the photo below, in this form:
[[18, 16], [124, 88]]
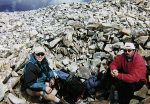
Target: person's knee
[[34, 93], [49, 97]]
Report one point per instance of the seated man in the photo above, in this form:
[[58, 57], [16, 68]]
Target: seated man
[[129, 72], [39, 79]]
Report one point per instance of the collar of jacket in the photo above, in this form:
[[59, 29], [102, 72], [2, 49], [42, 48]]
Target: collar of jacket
[[33, 60]]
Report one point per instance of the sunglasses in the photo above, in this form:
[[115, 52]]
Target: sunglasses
[[127, 50], [41, 53]]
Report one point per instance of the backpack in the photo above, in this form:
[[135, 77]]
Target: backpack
[[91, 84], [71, 89], [94, 82]]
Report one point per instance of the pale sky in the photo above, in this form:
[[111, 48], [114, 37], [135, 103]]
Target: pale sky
[[31, 4], [3, 2]]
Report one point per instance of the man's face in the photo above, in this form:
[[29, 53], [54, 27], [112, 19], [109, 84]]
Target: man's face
[[40, 56], [129, 53]]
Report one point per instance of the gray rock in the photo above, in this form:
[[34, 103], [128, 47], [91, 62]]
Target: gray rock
[[146, 101], [16, 100], [54, 42], [142, 92], [66, 61], [14, 74], [134, 101], [73, 67], [147, 45], [141, 39], [108, 47], [3, 89], [84, 72]]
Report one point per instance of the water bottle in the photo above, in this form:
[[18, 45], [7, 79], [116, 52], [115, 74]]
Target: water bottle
[[116, 98]]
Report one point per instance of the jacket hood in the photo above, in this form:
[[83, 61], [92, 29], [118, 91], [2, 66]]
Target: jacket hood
[[32, 59]]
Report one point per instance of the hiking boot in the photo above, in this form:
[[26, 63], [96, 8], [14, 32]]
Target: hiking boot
[[62, 101]]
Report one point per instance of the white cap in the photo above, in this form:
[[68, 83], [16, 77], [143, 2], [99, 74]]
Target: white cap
[[129, 46], [38, 49]]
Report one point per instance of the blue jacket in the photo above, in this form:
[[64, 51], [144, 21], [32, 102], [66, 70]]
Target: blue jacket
[[37, 73]]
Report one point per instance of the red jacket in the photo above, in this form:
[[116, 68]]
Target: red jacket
[[134, 71]]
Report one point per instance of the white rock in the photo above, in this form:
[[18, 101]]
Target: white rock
[[73, 67], [54, 42], [3, 89], [141, 39], [14, 74], [66, 61], [101, 45], [17, 46], [147, 45], [108, 47], [16, 100], [3, 48], [127, 31], [119, 44], [93, 46], [33, 33]]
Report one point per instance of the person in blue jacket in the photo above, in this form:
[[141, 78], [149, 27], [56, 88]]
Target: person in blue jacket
[[39, 78]]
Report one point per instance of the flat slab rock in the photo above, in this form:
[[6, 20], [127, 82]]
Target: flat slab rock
[[16, 100]]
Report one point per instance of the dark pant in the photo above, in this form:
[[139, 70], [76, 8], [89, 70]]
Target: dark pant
[[126, 90]]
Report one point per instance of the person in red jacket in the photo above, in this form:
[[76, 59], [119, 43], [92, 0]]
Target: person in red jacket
[[129, 73]]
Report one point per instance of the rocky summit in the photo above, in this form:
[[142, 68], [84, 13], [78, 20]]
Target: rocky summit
[[80, 37]]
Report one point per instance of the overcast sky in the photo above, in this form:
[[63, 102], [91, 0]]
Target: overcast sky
[[30, 4], [38, 2]]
